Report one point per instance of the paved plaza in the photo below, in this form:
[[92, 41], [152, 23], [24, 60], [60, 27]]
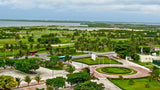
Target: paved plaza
[[44, 73]]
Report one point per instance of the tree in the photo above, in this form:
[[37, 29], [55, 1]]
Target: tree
[[17, 37], [146, 50], [135, 57], [121, 77], [155, 74], [70, 68], [20, 54], [7, 82], [49, 87], [23, 65], [41, 89], [52, 62], [56, 82], [18, 81], [60, 64], [77, 78], [10, 62], [37, 78], [89, 86], [30, 39], [131, 82], [27, 53], [26, 65], [124, 50], [87, 70], [2, 63], [34, 62], [67, 58], [27, 79]]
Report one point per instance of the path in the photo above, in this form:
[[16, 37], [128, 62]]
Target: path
[[54, 45], [44, 73], [40, 86], [129, 63], [78, 65], [140, 71], [107, 84], [44, 55]]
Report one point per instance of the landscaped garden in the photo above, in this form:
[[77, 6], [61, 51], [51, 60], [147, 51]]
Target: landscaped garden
[[137, 84], [116, 70], [99, 60]]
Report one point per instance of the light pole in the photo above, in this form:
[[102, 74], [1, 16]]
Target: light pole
[[13, 53], [52, 73], [99, 61], [103, 60], [110, 60], [5, 52]]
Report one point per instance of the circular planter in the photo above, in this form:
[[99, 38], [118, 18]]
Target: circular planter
[[116, 70]]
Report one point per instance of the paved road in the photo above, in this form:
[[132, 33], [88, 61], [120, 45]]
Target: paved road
[[88, 55], [44, 55]]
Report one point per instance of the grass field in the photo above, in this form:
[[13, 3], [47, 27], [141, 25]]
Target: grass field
[[89, 61], [116, 70], [138, 85]]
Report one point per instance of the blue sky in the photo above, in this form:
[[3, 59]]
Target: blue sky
[[88, 10]]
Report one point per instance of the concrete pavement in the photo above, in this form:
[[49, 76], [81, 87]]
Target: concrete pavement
[[107, 84]]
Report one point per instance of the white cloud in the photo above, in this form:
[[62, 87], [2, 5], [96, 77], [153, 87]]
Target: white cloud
[[140, 6]]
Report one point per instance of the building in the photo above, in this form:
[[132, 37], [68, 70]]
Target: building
[[148, 58], [156, 49], [128, 58]]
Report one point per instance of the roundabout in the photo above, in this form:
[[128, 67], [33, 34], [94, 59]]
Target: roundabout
[[116, 70]]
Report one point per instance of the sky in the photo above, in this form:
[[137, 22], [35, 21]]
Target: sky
[[82, 10]]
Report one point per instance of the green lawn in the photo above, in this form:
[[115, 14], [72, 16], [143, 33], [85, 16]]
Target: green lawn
[[138, 85], [89, 61], [116, 70]]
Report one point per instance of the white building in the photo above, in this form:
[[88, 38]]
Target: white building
[[156, 49], [148, 58]]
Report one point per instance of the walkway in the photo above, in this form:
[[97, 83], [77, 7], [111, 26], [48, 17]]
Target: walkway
[[129, 63], [107, 84], [140, 71]]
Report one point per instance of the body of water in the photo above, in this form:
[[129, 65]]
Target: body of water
[[29, 23]]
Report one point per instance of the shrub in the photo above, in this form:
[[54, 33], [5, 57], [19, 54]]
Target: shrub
[[131, 82], [121, 77], [147, 85], [49, 87], [41, 89]]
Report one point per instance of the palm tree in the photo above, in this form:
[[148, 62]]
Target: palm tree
[[67, 58], [60, 64], [27, 79], [70, 68], [18, 81], [37, 78]]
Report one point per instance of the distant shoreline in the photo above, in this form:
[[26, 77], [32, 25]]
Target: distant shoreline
[[72, 21]]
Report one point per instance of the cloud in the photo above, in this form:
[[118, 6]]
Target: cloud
[[136, 6]]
